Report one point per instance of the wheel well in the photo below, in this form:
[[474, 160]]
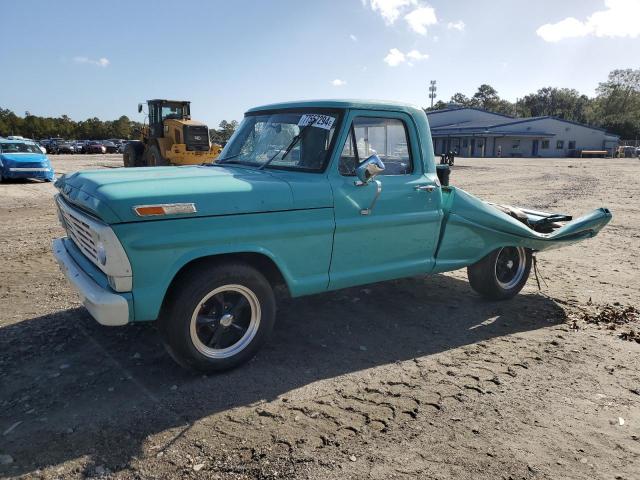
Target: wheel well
[[260, 262]]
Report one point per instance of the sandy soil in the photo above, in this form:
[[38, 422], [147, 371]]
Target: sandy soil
[[417, 378]]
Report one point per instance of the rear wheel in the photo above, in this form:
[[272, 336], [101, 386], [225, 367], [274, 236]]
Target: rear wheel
[[217, 317], [501, 274]]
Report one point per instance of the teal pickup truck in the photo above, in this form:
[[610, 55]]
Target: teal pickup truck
[[306, 197]]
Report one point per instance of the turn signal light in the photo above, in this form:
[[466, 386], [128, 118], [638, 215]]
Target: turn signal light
[[164, 209]]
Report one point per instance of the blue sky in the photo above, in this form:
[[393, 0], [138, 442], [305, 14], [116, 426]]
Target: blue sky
[[100, 58]]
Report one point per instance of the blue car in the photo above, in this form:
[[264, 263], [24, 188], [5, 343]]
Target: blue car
[[23, 159]]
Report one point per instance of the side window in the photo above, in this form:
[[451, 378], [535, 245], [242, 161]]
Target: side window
[[385, 136]]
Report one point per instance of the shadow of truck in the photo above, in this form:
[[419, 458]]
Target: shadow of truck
[[82, 389]]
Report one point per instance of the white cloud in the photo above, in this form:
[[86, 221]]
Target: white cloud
[[459, 25], [338, 83], [420, 18], [101, 62], [353, 37], [568, 28], [417, 14], [620, 19], [416, 55], [390, 9], [395, 57]]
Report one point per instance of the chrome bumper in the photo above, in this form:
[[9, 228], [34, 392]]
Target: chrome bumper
[[105, 306]]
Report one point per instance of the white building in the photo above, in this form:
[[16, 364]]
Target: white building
[[473, 132]]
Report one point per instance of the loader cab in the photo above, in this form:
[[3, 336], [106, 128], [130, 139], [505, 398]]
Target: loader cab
[[161, 110]]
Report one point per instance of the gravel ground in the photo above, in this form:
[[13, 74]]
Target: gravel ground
[[416, 378]]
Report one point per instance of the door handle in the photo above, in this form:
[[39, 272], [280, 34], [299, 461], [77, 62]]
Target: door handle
[[425, 188]]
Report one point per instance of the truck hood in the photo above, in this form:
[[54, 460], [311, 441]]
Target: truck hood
[[111, 195]]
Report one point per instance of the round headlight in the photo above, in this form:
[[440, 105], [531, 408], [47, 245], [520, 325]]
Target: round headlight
[[101, 253]]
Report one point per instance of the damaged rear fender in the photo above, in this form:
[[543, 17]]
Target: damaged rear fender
[[472, 229]]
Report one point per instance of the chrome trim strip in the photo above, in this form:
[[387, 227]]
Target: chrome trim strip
[[24, 169]]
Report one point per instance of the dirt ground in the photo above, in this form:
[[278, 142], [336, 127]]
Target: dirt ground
[[417, 378]]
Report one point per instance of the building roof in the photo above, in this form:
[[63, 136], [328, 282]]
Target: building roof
[[453, 108], [489, 125]]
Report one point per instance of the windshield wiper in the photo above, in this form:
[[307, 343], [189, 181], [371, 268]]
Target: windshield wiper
[[225, 159], [293, 143]]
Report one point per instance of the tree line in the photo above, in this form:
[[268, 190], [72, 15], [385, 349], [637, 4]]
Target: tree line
[[616, 106], [36, 127]]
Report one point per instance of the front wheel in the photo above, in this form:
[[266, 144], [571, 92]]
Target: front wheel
[[217, 316], [501, 274], [153, 158]]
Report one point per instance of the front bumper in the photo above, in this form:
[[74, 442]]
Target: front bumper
[[27, 172], [106, 307]]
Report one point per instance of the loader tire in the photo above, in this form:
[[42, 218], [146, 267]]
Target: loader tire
[[153, 157], [132, 155]]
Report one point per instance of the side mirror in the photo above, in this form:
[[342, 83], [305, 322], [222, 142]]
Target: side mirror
[[369, 169], [139, 108]]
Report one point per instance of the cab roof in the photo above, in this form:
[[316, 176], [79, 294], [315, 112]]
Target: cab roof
[[342, 105], [164, 100]]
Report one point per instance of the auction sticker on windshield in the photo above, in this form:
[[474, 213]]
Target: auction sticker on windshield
[[315, 120]]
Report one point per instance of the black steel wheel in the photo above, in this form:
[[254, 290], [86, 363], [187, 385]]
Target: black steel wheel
[[216, 317], [502, 273]]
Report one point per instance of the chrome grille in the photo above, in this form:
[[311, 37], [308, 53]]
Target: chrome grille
[[81, 234]]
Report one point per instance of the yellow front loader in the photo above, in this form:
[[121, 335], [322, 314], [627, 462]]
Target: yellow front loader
[[170, 138]]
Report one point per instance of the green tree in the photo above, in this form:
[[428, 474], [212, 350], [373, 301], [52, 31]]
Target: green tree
[[564, 103], [224, 131], [617, 104], [461, 99], [439, 105], [485, 97]]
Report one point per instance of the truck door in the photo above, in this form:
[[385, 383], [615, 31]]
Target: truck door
[[398, 236]]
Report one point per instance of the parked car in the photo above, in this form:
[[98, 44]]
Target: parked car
[[122, 146], [95, 147], [23, 159], [298, 199], [52, 145], [65, 147], [110, 147]]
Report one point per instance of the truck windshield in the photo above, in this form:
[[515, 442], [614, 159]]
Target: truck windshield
[[263, 138]]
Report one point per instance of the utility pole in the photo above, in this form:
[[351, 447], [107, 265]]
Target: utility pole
[[432, 91]]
